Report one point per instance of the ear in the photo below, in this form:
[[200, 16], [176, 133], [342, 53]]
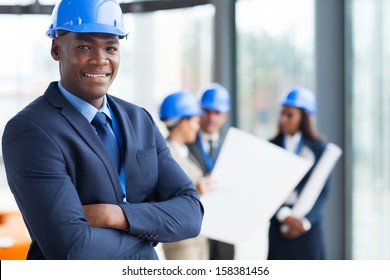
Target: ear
[[55, 49]]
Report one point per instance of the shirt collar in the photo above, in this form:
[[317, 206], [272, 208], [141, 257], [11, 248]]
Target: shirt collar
[[207, 137], [86, 109], [291, 142]]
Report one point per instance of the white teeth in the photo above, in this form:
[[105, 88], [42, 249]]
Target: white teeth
[[95, 76]]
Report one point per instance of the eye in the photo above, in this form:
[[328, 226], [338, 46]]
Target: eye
[[112, 49], [83, 47], [290, 115]]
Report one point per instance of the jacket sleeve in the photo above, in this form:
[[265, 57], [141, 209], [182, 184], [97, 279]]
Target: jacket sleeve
[[48, 199], [176, 213]]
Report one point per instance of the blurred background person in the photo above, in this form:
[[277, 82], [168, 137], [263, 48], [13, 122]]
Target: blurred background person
[[215, 102], [292, 237], [180, 111]]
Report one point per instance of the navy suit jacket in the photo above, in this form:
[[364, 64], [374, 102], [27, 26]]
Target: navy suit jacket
[[309, 245], [55, 163]]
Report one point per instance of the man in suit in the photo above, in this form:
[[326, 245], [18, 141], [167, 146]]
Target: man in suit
[[78, 200], [215, 102]]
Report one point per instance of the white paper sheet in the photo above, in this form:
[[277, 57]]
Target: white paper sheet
[[253, 178]]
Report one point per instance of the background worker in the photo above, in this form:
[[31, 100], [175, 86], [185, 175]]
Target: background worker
[[215, 102], [180, 111], [291, 236], [91, 173]]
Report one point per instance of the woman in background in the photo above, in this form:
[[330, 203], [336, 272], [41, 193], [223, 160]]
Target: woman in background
[[180, 111], [293, 236]]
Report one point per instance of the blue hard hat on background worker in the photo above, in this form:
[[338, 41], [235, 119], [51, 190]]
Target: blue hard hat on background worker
[[87, 16], [215, 97], [180, 105], [300, 97]]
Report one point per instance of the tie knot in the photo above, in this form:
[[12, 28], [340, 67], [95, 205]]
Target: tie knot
[[99, 119]]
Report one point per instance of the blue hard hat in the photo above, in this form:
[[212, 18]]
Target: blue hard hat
[[181, 104], [300, 97], [215, 97], [87, 16]]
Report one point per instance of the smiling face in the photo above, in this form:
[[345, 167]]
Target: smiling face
[[88, 63]]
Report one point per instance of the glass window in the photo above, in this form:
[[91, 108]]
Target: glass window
[[369, 66], [275, 51], [165, 51]]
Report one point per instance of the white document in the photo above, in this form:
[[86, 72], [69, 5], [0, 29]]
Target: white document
[[253, 178]]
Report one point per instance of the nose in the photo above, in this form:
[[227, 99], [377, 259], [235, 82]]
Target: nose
[[98, 57], [283, 119]]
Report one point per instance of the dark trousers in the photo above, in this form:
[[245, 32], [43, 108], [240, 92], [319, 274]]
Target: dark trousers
[[220, 250]]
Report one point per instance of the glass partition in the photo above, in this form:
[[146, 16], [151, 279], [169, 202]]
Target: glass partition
[[369, 80], [275, 50], [165, 51]]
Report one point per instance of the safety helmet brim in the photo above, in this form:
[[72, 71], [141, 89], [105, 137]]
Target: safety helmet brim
[[89, 28], [220, 108]]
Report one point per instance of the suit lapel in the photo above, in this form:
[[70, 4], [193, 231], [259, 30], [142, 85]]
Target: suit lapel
[[278, 140], [127, 130], [83, 128], [197, 153]]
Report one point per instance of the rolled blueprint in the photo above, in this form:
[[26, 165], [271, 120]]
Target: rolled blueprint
[[317, 180]]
